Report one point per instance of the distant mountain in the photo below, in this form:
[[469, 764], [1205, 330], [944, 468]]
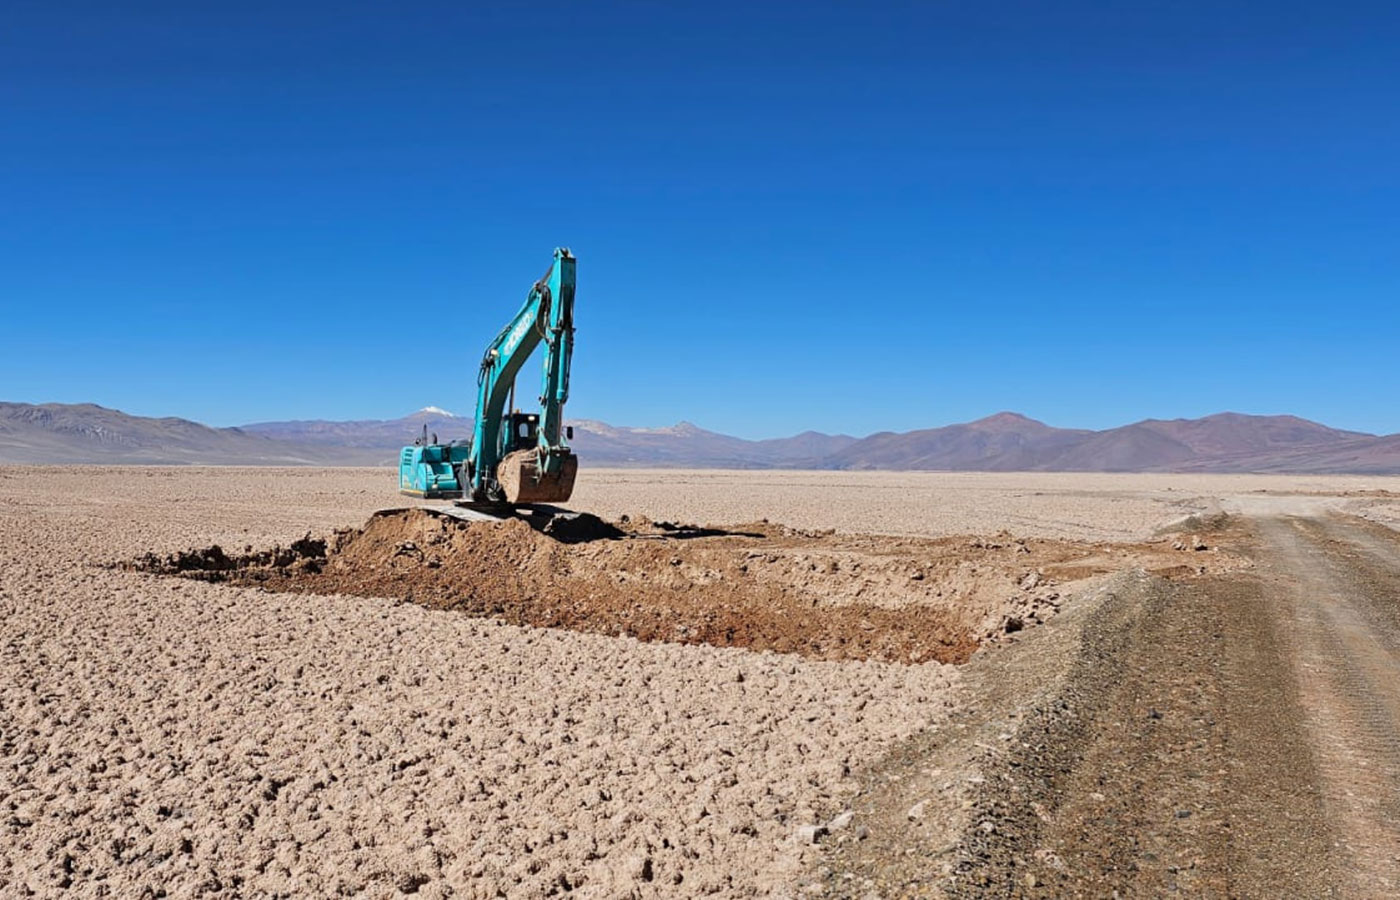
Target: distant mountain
[[682, 444], [1225, 442], [1005, 442], [1233, 434], [1131, 448], [1362, 456], [59, 433], [1218, 443], [685, 444], [809, 445], [386, 435], [62, 433]]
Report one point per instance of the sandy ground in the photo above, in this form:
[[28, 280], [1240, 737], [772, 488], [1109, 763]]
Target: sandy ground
[[157, 733], [1074, 506]]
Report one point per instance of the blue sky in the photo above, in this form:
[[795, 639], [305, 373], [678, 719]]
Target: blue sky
[[845, 216]]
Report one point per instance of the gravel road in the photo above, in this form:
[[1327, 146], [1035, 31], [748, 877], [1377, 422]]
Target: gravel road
[[1343, 631], [1236, 736]]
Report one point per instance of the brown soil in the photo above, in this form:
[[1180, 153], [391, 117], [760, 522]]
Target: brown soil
[[758, 586]]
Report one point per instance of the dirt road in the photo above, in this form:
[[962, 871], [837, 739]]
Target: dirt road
[[1344, 635], [1236, 736]]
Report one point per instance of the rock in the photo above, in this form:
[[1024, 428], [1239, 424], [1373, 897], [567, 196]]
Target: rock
[[987, 826], [1030, 582], [410, 882], [639, 867], [862, 832], [841, 821], [916, 812], [809, 834]]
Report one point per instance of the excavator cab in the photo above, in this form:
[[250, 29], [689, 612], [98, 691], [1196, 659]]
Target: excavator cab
[[519, 474], [523, 433]]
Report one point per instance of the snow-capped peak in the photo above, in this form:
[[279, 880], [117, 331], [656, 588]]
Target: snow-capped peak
[[437, 411]]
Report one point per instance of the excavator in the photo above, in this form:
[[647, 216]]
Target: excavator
[[513, 458]]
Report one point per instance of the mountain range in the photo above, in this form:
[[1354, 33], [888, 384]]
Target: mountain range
[[1005, 442]]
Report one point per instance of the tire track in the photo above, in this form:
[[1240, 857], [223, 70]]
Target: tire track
[[1340, 589]]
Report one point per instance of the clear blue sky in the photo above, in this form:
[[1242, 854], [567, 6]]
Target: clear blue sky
[[842, 216]]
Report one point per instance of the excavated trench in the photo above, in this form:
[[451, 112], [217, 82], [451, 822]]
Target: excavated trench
[[758, 586]]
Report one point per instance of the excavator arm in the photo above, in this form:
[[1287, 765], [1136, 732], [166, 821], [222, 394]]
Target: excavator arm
[[517, 458], [559, 336]]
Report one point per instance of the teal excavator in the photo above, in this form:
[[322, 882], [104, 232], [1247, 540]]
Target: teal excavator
[[513, 458]]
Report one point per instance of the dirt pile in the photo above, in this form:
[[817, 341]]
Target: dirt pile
[[758, 586], [213, 563]]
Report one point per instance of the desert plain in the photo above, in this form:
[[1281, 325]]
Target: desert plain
[[959, 684]]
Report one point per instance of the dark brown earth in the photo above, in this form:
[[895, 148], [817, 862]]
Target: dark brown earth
[[1234, 736], [758, 586]]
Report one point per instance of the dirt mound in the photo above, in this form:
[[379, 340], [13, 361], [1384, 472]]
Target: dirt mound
[[579, 527], [213, 563], [758, 586], [656, 583]]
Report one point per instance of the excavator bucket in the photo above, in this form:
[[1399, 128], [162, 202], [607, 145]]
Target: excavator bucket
[[522, 481]]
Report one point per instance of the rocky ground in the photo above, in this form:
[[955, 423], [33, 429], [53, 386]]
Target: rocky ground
[[160, 733]]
